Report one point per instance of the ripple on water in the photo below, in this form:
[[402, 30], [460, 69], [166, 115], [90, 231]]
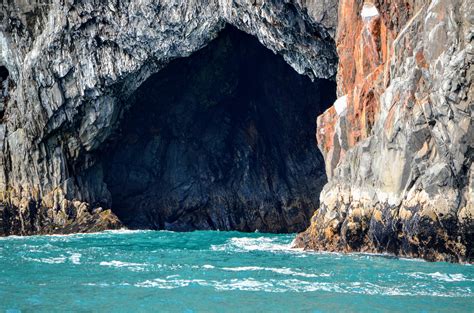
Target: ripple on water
[[129, 265], [440, 276], [284, 271], [294, 285], [218, 266], [53, 260]]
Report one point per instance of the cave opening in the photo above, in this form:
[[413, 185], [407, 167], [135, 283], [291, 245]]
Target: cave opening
[[4, 86], [223, 139], [3, 73]]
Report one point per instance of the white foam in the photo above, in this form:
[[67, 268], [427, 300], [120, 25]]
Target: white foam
[[75, 258], [413, 260], [119, 264], [368, 11], [97, 284], [245, 285], [283, 271], [172, 276], [299, 286], [288, 285], [243, 268], [246, 244], [305, 286], [340, 104], [124, 231], [208, 266], [56, 260], [440, 276], [169, 284], [14, 237]]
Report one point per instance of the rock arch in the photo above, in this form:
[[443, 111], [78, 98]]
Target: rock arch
[[76, 63]]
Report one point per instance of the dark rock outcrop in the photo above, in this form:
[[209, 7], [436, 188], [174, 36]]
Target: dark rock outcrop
[[71, 217]]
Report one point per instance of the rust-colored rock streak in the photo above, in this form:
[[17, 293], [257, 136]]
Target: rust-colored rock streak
[[362, 45], [398, 142]]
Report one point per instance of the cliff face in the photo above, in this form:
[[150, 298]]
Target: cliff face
[[73, 65], [398, 142]]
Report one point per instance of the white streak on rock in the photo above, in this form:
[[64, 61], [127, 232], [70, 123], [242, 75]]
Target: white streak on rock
[[340, 104], [368, 11]]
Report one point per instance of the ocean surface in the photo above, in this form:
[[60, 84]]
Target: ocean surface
[[144, 271]]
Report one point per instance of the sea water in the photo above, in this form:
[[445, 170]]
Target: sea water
[[205, 271]]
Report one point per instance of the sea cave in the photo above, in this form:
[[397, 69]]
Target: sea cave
[[223, 139]]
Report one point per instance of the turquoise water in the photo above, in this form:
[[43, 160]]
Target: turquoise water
[[141, 271]]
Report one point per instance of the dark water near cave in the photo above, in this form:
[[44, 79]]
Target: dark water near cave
[[204, 271]]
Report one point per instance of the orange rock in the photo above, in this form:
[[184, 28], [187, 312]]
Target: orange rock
[[363, 45]]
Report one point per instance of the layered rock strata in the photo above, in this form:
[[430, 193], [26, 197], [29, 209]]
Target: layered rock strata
[[399, 141]]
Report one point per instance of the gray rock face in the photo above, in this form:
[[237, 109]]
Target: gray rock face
[[399, 145], [73, 63]]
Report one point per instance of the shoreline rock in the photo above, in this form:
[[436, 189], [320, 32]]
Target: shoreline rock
[[399, 156]]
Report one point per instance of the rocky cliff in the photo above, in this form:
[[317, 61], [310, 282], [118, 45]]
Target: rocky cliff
[[397, 143], [74, 68]]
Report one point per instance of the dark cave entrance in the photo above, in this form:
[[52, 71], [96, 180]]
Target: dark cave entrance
[[3, 73], [4, 86], [223, 139]]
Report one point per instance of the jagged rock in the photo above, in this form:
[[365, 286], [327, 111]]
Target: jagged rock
[[74, 64], [398, 143], [31, 218], [399, 152]]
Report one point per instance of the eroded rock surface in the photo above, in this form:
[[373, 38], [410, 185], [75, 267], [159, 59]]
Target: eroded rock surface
[[73, 63], [223, 140], [399, 141]]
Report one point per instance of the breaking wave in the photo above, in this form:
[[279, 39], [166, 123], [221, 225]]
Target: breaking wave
[[245, 244], [290, 285]]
